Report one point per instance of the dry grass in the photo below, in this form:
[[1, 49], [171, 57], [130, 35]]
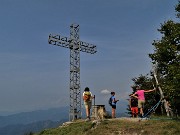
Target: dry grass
[[121, 126]]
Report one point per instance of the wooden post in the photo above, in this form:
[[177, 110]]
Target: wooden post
[[161, 92]]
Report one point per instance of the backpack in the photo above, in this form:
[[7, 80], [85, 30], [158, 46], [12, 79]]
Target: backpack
[[110, 101], [87, 96]]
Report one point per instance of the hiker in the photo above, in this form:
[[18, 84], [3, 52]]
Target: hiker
[[133, 104], [113, 105], [141, 98], [87, 97], [168, 105]]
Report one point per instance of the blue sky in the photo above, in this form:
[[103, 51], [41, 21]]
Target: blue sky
[[35, 75]]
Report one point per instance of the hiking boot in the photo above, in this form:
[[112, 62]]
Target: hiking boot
[[87, 119]]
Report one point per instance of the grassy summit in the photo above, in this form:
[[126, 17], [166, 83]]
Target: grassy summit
[[118, 126]]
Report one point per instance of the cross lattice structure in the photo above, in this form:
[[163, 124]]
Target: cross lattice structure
[[75, 46]]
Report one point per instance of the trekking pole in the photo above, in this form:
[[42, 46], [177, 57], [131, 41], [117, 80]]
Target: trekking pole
[[95, 114], [94, 100]]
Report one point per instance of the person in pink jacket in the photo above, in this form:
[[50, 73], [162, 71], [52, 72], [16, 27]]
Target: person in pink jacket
[[139, 94]]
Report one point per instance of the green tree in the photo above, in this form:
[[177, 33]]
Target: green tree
[[167, 55]]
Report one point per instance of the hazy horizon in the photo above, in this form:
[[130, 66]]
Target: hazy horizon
[[35, 74]]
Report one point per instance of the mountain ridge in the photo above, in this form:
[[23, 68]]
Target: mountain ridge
[[53, 114], [34, 121]]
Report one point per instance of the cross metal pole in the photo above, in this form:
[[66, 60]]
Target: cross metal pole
[[75, 46]]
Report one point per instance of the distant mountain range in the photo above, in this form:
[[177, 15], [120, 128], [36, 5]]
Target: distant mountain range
[[26, 122], [20, 129], [35, 121]]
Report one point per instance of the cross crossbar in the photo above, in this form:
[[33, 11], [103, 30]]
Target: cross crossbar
[[66, 42]]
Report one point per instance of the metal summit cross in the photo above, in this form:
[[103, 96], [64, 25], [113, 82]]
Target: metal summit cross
[[75, 46]]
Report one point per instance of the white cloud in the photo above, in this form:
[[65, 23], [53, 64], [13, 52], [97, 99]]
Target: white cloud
[[105, 92]]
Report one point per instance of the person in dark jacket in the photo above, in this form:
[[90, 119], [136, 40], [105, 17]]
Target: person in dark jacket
[[133, 104]]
